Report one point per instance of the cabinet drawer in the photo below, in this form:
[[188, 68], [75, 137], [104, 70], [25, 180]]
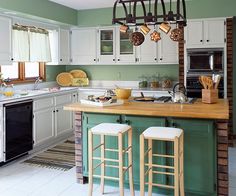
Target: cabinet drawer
[[62, 99], [43, 103]]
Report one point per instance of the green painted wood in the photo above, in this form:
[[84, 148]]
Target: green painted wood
[[139, 124], [199, 155], [199, 150], [90, 120]]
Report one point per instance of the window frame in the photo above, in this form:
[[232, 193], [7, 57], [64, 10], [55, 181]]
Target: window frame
[[21, 73]]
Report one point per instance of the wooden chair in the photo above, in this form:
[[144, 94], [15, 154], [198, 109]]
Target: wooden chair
[[174, 135], [111, 129]]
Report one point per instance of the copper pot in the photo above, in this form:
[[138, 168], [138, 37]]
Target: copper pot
[[165, 27]]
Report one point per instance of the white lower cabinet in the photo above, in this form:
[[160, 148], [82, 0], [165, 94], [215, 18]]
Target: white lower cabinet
[[50, 120], [43, 125]]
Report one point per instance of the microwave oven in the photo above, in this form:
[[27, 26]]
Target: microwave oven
[[205, 60]]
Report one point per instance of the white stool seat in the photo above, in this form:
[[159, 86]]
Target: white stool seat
[[162, 133], [110, 129]]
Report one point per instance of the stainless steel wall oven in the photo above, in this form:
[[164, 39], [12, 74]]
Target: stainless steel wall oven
[[204, 61]]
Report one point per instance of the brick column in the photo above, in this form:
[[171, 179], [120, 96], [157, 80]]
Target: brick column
[[222, 158], [79, 148]]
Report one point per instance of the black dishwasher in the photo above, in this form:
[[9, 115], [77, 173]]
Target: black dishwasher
[[18, 128]]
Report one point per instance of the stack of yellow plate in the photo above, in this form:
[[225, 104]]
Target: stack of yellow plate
[[78, 74], [64, 79], [79, 78]]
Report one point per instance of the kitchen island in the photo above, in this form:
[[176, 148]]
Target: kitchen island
[[206, 138]]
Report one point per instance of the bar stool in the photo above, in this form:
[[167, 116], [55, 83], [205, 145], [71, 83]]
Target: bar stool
[[174, 135], [111, 129]]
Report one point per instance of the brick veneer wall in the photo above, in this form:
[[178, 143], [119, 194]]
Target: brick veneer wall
[[222, 158], [229, 27], [79, 148]]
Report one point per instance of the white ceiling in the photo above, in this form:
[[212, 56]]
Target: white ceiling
[[85, 4]]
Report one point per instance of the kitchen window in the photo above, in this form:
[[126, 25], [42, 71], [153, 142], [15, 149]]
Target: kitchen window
[[22, 72]]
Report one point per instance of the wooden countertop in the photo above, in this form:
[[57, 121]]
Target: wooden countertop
[[219, 110]]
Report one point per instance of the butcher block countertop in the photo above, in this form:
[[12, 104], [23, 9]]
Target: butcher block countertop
[[219, 110]]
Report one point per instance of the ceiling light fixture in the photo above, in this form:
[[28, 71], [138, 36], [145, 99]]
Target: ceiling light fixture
[[131, 16]]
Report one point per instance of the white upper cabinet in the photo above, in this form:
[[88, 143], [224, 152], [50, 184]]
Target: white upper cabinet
[[205, 33], [147, 51], [83, 46], [64, 46], [125, 51], [106, 45], [167, 51], [6, 41]]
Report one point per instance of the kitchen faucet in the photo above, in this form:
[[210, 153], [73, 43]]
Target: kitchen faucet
[[36, 83]]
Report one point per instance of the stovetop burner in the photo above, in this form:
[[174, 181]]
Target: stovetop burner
[[163, 99]]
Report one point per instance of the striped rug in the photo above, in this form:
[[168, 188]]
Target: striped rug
[[60, 157]]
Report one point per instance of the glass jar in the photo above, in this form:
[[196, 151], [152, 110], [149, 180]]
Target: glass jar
[[8, 90], [166, 82], [143, 82], [154, 82]]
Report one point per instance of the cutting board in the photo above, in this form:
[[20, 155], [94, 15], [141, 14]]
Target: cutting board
[[88, 102]]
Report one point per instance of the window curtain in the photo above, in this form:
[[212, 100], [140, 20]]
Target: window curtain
[[39, 47], [31, 45], [20, 44]]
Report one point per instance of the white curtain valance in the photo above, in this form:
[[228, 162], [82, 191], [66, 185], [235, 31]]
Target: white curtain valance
[[39, 47], [20, 44], [31, 46]]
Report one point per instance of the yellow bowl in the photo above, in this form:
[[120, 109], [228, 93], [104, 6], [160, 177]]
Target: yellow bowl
[[122, 93]]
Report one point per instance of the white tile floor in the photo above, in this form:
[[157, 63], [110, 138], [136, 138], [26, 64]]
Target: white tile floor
[[24, 180]]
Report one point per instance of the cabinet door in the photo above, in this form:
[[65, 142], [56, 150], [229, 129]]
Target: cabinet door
[[199, 155], [125, 51], [43, 125], [106, 45], [89, 121], [64, 46], [167, 52], [6, 41], [147, 51], [194, 33], [83, 46], [63, 121], [214, 32], [139, 124]]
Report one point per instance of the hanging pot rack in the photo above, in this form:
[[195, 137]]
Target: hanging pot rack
[[131, 18]]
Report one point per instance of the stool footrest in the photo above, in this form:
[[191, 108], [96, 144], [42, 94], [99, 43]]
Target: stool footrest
[[106, 177], [161, 185], [160, 166], [98, 146], [163, 155], [111, 150], [106, 159]]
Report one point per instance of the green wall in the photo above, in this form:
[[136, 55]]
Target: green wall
[[53, 70], [42, 8], [127, 72], [195, 9]]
